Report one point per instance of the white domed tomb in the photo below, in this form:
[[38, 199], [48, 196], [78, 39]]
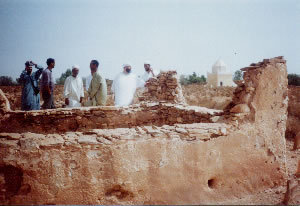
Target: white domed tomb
[[220, 76]]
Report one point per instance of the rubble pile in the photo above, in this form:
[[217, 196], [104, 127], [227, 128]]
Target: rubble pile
[[164, 87]]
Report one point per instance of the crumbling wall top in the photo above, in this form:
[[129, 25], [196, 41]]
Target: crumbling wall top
[[85, 118], [264, 87], [164, 88]]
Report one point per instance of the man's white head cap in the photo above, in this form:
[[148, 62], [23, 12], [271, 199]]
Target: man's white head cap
[[75, 67], [147, 62], [126, 65]]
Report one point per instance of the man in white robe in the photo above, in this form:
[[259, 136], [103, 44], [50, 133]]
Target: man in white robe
[[73, 89], [149, 72], [125, 85]]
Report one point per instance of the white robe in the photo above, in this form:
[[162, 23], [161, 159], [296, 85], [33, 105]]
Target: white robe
[[73, 90], [124, 87], [146, 76]]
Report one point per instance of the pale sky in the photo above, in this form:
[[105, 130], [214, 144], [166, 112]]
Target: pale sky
[[185, 35]]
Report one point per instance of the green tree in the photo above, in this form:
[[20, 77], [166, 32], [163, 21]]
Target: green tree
[[6, 81], [202, 79], [294, 79], [61, 80], [238, 75], [192, 79]]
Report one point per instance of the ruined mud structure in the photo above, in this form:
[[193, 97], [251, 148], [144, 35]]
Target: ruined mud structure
[[160, 151]]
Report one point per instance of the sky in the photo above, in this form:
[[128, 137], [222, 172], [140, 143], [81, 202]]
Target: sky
[[185, 35]]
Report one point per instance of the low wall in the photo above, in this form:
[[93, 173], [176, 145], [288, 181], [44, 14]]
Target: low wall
[[85, 118], [201, 163]]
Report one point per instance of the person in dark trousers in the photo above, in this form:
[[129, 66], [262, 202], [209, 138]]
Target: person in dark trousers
[[47, 85], [30, 99]]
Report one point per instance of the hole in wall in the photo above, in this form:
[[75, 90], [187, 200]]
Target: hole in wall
[[119, 192], [212, 183], [11, 181]]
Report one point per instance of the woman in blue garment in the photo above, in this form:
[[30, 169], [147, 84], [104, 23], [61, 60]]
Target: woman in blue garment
[[30, 92]]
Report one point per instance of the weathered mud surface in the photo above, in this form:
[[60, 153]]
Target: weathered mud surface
[[155, 152]]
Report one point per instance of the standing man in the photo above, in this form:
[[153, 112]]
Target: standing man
[[30, 91], [47, 85], [125, 85], [73, 89], [97, 89], [149, 72]]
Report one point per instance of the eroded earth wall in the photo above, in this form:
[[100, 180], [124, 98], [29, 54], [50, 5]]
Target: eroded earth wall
[[293, 122], [230, 159]]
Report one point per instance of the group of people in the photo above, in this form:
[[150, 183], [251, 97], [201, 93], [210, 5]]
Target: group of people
[[123, 87]]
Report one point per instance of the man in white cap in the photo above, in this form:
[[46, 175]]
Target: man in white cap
[[149, 72], [73, 89], [124, 86]]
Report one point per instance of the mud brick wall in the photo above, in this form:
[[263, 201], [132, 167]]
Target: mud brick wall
[[260, 87], [238, 159], [85, 118]]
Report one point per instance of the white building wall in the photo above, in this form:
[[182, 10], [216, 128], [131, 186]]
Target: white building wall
[[212, 80], [226, 80]]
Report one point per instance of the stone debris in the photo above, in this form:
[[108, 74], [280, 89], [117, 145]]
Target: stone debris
[[240, 108], [87, 139], [264, 63], [10, 136], [164, 87]]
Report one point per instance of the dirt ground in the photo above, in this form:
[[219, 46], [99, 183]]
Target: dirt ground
[[204, 96]]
